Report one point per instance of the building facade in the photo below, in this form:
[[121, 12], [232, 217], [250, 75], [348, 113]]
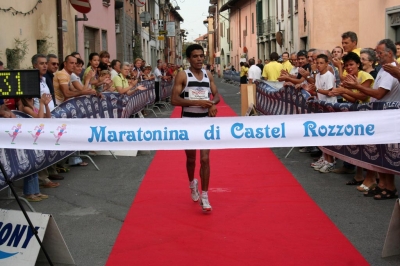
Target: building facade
[[31, 27], [321, 23], [242, 30], [97, 33]]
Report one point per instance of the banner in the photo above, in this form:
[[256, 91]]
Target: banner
[[350, 128], [382, 157]]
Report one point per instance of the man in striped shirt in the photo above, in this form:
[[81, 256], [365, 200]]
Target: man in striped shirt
[[192, 90]]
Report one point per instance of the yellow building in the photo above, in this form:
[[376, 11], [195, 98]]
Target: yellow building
[[321, 23], [31, 26]]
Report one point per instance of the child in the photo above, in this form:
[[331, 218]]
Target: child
[[31, 183], [324, 83]]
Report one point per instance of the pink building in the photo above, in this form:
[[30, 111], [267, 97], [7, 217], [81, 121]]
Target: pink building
[[98, 32], [243, 31]]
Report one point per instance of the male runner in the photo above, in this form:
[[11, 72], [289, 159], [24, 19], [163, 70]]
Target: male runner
[[192, 90]]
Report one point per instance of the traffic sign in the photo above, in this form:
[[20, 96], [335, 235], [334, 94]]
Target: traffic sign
[[145, 16], [146, 24], [82, 6], [161, 32], [160, 38]]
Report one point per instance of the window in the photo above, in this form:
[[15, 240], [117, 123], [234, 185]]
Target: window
[[296, 5], [252, 23], [282, 9]]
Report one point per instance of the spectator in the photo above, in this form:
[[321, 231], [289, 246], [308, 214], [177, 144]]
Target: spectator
[[272, 70], [115, 68], [77, 55], [105, 58], [1, 65], [368, 61], [398, 51], [93, 65], [254, 72], [52, 67], [349, 42], [62, 81], [386, 89], [76, 83], [31, 183], [123, 85], [243, 73], [260, 65], [293, 60], [355, 79], [286, 64], [337, 52], [137, 69], [310, 54], [147, 75]]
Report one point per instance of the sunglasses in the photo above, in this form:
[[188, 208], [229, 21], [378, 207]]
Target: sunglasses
[[55, 64]]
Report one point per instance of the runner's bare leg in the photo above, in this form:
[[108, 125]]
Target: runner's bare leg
[[190, 163], [205, 169]]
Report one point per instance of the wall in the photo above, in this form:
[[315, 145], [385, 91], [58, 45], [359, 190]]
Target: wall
[[38, 25], [238, 24], [375, 23], [99, 18]]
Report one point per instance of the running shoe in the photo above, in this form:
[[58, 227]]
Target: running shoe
[[194, 190], [319, 166], [320, 160], [205, 204], [327, 168], [306, 149]]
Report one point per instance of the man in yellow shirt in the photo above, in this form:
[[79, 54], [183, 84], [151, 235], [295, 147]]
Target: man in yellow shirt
[[272, 70], [287, 65], [243, 73], [349, 42]]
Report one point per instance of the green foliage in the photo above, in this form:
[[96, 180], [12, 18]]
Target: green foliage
[[185, 45], [45, 46], [137, 50], [17, 54]]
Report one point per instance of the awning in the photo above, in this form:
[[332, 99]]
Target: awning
[[228, 5]]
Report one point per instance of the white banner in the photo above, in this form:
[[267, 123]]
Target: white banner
[[325, 129]]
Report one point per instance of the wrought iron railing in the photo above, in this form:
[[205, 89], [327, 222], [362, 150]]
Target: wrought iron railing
[[266, 26]]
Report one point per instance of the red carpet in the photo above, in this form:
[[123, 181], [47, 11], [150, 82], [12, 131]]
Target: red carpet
[[261, 216]]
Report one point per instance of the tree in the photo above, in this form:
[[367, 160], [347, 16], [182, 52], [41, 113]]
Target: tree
[[185, 46]]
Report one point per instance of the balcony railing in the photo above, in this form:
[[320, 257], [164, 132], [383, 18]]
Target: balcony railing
[[266, 26]]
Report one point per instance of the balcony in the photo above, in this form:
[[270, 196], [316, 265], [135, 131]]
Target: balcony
[[266, 26]]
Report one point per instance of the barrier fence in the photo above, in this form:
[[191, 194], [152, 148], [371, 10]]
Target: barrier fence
[[19, 163], [287, 101], [231, 75]]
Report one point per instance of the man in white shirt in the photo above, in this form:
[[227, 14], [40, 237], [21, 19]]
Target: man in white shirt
[[115, 68], [386, 89], [39, 62], [254, 72]]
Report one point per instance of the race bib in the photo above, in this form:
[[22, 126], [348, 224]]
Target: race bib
[[198, 94]]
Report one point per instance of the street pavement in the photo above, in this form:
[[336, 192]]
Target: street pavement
[[90, 206]]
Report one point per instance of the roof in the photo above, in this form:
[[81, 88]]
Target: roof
[[202, 38], [176, 14], [228, 5]]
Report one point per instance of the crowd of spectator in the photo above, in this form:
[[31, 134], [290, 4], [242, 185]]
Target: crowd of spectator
[[346, 73], [71, 78]]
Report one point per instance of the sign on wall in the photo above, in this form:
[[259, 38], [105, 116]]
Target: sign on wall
[[171, 29]]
